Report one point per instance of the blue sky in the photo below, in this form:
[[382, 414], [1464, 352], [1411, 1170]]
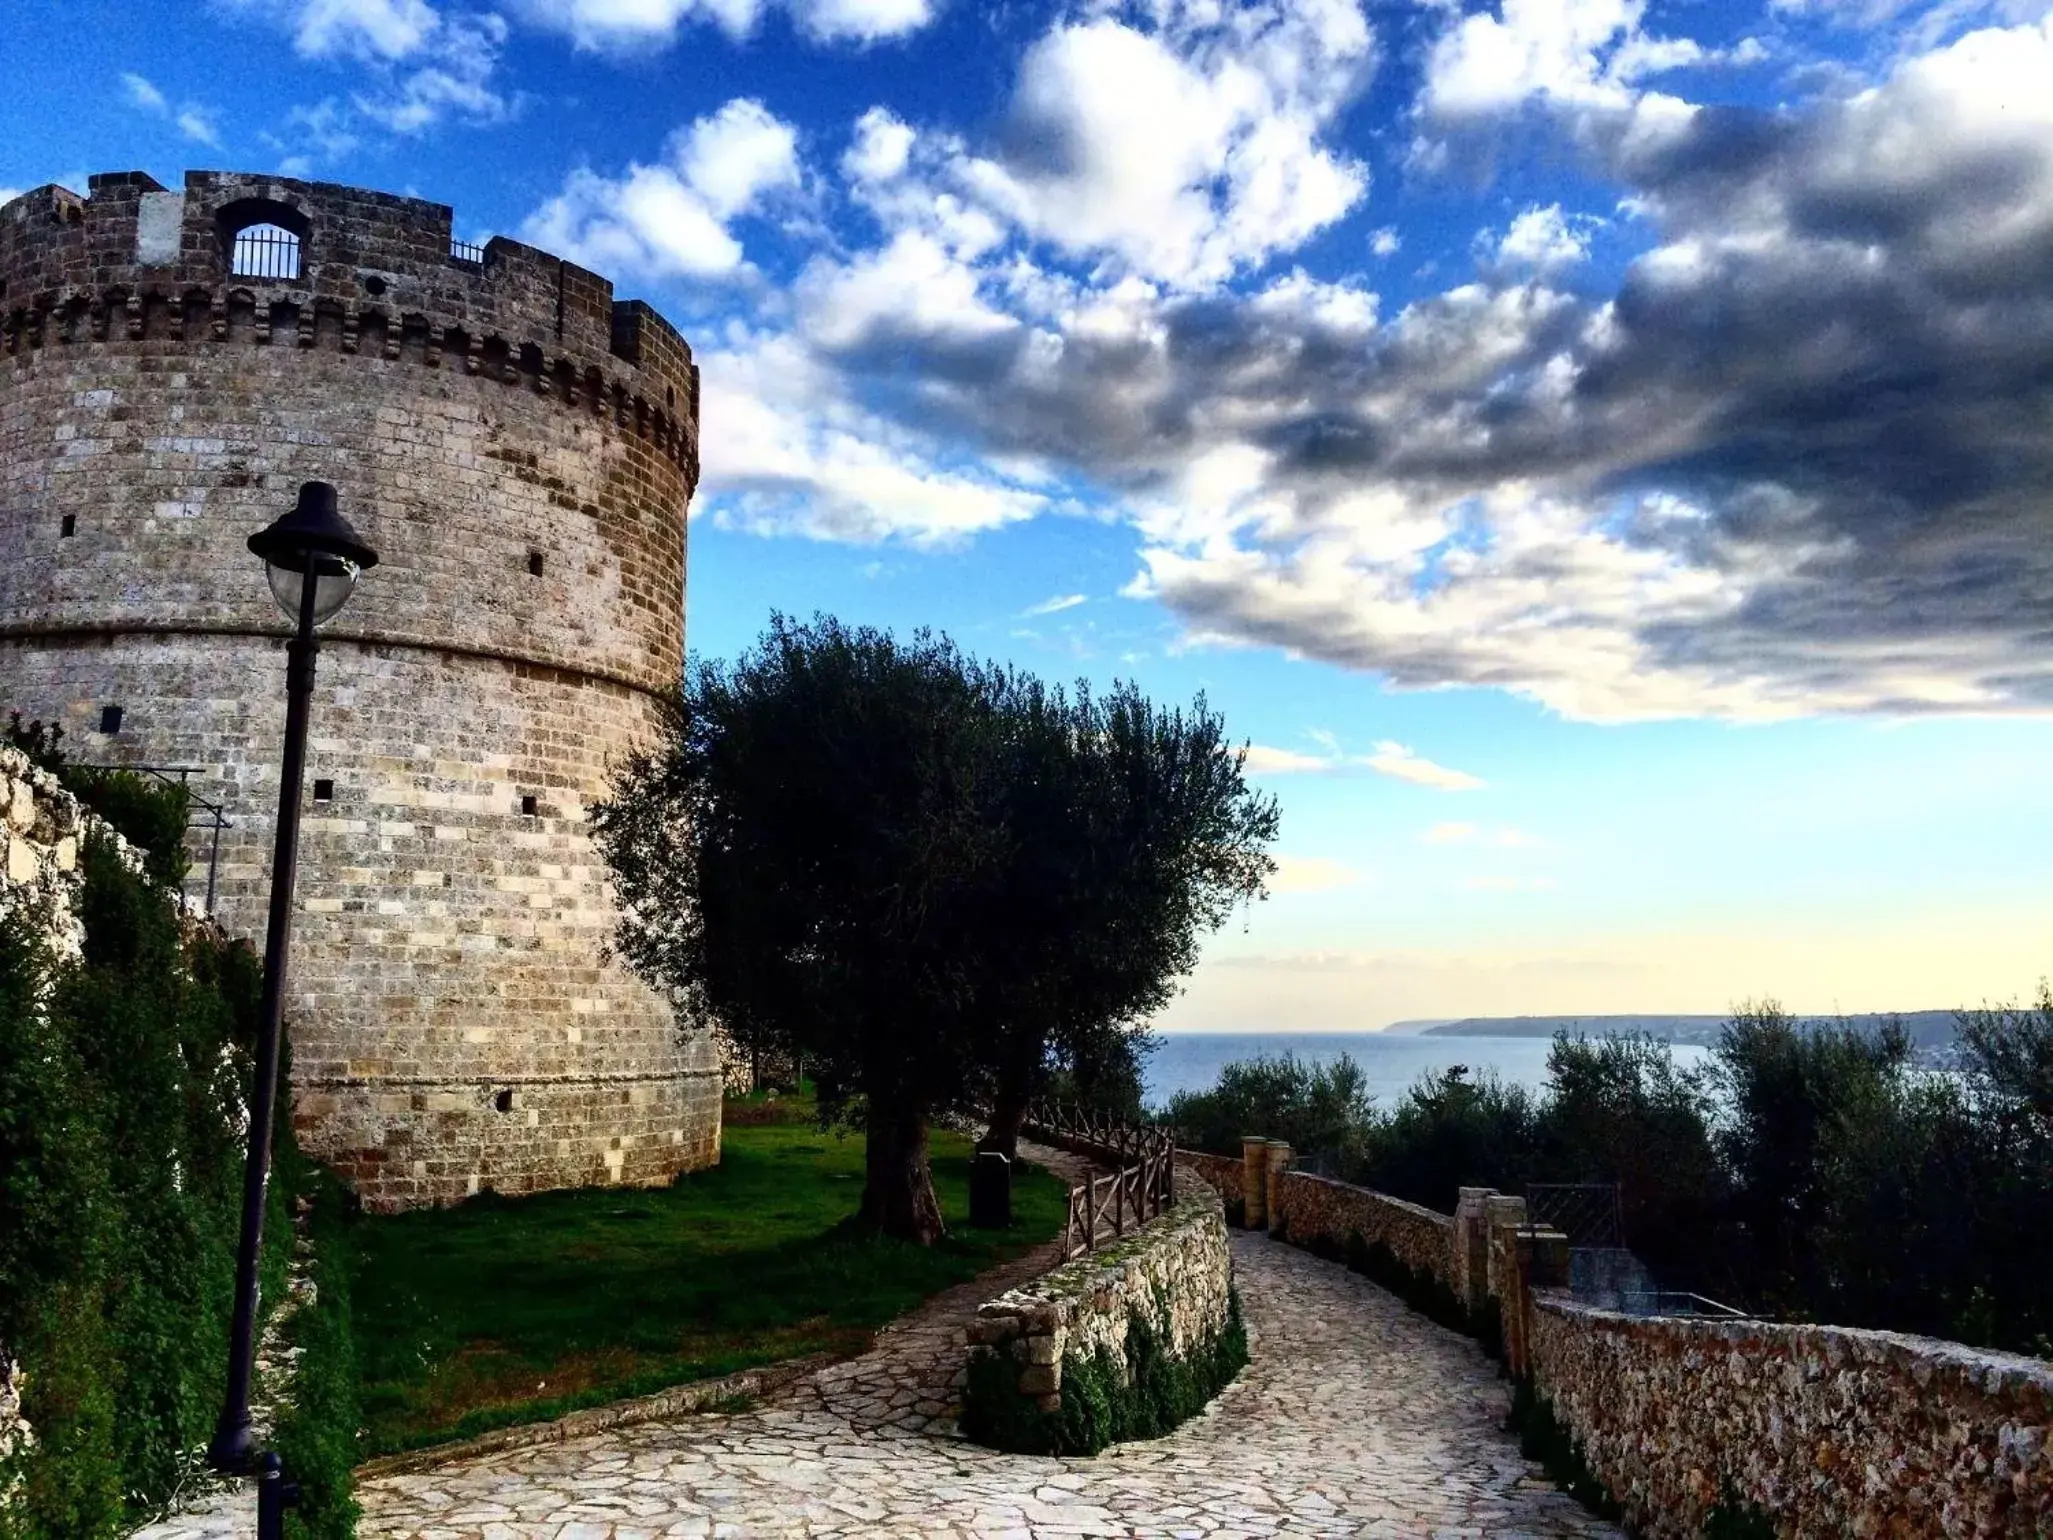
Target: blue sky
[[1599, 454]]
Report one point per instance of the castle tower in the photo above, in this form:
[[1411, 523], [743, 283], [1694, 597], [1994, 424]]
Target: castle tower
[[520, 449]]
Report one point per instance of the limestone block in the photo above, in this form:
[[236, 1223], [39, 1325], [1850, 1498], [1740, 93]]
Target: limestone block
[[22, 865]]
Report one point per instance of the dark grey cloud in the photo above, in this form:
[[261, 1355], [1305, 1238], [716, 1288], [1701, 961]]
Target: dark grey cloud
[[1801, 459]]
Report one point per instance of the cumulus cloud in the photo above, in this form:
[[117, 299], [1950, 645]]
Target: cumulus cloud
[[880, 149], [1185, 142], [788, 452], [1265, 760], [672, 217], [1794, 462], [1541, 239]]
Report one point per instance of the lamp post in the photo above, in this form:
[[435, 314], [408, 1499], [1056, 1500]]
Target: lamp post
[[312, 558]]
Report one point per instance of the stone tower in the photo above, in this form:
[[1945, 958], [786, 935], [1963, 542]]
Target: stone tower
[[520, 448]]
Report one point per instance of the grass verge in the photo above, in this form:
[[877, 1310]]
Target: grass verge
[[504, 1311]]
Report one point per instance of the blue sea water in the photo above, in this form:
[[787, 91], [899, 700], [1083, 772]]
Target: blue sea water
[[1191, 1061]]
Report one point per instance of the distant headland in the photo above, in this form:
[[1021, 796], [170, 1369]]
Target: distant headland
[[1927, 1029]]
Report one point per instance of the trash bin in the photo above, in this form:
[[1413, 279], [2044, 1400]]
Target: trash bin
[[990, 1191]]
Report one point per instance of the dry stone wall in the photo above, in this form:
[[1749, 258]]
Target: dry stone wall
[[1175, 1271], [1221, 1173], [1830, 1431], [1316, 1208], [520, 449]]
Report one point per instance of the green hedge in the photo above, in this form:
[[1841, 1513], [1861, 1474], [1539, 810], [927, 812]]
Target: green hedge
[[1102, 1405], [121, 1149]]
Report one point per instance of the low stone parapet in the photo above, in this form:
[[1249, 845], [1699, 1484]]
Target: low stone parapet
[[1314, 1209], [1052, 1360], [1829, 1430], [1221, 1173]]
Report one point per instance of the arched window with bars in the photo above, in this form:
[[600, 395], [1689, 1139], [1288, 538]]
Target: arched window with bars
[[264, 251]]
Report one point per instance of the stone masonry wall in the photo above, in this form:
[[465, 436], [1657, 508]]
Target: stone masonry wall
[[1830, 1430], [1180, 1260], [520, 449], [1315, 1207], [1223, 1174]]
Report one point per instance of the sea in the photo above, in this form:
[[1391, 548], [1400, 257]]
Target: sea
[[1191, 1061]]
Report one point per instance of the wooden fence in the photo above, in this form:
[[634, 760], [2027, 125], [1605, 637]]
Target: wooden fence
[[1141, 1184]]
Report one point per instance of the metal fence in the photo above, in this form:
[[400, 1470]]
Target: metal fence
[[264, 251], [464, 251], [201, 813], [1588, 1213], [1140, 1187]]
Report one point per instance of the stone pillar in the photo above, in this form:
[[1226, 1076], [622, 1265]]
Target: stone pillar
[[1278, 1163], [1506, 1279], [1471, 1246], [1254, 1181]]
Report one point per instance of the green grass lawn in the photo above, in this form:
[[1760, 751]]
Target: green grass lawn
[[515, 1310]]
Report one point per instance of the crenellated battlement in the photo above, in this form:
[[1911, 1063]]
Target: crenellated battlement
[[269, 260]]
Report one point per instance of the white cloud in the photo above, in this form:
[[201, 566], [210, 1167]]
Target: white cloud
[[197, 126], [1264, 760], [618, 26], [670, 219], [1450, 834], [1311, 874], [1541, 240], [359, 29], [1401, 763], [191, 119], [144, 95], [1052, 606], [1184, 144], [786, 452], [1386, 241], [734, 157], [913, 287], [880, 149], [860, 21], [453, 79]]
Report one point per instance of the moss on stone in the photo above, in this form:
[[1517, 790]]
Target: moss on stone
[[1102, 1403]]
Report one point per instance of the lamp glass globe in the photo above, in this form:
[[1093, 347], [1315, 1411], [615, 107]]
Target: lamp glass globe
[[334, 579]]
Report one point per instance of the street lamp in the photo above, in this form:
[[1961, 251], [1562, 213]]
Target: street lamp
[[313, 559]]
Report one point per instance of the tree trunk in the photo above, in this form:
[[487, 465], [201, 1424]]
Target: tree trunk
[[898, 1186], [1008, 1112]]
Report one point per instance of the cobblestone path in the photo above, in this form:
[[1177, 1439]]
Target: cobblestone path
[[1356, 1417]]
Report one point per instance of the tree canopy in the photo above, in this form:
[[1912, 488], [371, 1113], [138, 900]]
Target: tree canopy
[[929, 875]]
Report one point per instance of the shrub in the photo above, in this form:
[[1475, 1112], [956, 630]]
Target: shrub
[[120, 1183]]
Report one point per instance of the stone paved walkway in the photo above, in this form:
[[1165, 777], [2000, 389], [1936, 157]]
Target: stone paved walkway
[[1356, 1417]]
